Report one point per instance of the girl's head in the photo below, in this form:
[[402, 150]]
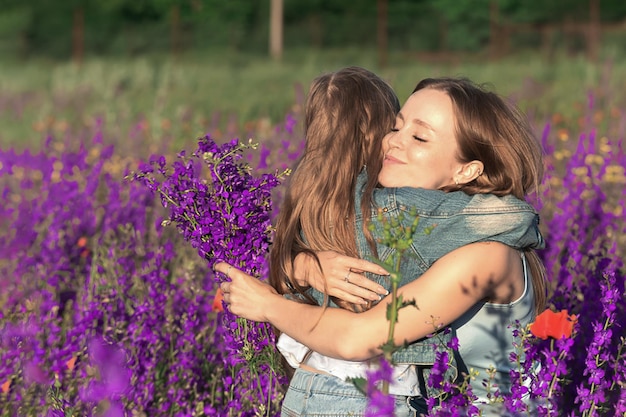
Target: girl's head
[[347, 114], [453, 134]]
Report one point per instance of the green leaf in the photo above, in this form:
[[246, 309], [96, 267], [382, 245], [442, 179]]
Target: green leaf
[[360, 383]]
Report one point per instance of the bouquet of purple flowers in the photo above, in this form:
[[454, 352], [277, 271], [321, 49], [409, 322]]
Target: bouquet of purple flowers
[[224, 212]]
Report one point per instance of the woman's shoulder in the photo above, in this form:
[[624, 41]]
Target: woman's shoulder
[[442, 203]]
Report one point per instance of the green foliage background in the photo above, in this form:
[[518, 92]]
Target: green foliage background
[[242, 94], [219, 77], [131, 27]]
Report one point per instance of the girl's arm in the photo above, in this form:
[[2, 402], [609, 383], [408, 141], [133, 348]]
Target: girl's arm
[[447, 290]]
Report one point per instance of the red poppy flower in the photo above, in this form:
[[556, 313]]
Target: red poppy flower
[[217, 301], [70, 363], [551, 324]]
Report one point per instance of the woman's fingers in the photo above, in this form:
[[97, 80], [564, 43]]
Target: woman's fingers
[[362, 265], [358, 290], [355, 264], [355, 294], [343, 278], [245, 295], [358, 285], [351, 286], [222, 267], [337, 268]]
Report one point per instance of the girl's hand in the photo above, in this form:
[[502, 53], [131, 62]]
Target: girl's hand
[[343, 276], [245, 295]]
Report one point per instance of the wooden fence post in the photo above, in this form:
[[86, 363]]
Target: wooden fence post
[[276, 29], [593, 36], [381, 31], [78, 35]]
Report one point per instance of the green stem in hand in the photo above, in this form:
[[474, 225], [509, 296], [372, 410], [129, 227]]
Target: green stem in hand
[[400, 238]]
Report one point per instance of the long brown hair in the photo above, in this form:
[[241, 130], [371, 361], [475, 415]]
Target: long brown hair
[[494, 131], [347, 114]]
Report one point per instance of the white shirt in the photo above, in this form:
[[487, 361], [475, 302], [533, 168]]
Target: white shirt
[[404, 377]]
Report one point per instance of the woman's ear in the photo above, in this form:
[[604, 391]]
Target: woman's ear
[[469, 172]]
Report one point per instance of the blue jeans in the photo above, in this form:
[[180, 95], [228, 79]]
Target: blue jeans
[[313, 394]]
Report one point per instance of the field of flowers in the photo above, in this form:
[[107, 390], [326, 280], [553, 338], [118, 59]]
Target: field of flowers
[[109, 305]]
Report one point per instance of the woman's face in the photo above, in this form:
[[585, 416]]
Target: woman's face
[[421, 149]]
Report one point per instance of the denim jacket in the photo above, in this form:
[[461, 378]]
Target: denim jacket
[[454, 219]]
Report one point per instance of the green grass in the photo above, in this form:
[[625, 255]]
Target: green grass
[[183, 98]]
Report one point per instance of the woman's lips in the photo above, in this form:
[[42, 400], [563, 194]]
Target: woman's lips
[[391, 160]]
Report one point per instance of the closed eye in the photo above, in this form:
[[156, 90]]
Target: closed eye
[[417, 138]]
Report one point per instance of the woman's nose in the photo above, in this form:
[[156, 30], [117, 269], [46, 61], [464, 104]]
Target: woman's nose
[[393, 140]]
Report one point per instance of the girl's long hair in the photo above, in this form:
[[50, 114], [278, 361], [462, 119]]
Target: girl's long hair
[[347, 114]]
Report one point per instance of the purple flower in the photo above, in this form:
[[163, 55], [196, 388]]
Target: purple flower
[[379, 403], [224, 212]]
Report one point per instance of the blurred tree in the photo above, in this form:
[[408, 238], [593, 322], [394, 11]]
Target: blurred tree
[[228, 22], [37, 14], [468, 23], [14, 18]]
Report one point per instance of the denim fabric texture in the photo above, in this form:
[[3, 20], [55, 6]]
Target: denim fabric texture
[[313, 394], [455, 219]]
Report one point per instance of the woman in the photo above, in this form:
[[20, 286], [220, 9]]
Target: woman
[[455, 135]]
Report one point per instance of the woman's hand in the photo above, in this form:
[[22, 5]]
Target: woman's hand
[[245, 295], [343, 276]]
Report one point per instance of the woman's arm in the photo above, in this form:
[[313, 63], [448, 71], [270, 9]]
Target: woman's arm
[[447, 290]]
